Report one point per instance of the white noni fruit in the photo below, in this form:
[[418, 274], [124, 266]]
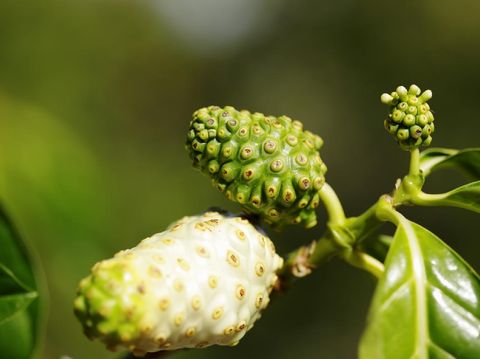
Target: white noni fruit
[[203, 281]]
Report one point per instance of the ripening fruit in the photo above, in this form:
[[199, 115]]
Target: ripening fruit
[[269, 165], [201, 282], [410, 120]]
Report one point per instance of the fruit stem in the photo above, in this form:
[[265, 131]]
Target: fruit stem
[[340, 239], [332, 204], [366, 262], [414, 162]]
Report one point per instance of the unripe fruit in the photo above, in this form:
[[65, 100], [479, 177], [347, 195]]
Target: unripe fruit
[[410, 120], [269, 165], [201, 282]]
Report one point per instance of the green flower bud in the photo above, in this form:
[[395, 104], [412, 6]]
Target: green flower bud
[[397, 116], [415, 131], [270, 166], [410, 120], [203, 281]]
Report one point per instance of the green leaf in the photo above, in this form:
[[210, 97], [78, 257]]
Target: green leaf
[[14, 295], [427, 304], [19, 308], [437, 158], [466, 196]]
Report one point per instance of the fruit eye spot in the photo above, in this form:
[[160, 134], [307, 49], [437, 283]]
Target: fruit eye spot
[[178, 286], [247, 152], [229, 330], [304, 183], [183, 264], [257, 130], [164, 303], [240, 234], [167, 241], [270, 146], [248, 174], [259, 300], [233, 259], [301, 159], [201, 226], [309, 144], [201, 251], [240, 292], [160, 340], [241, 326], [292, 140], [196, 303], [179, 318], [303, 203], [154, 272], [273, 213], [190, 332], [227, 151], [259, 269], [176, 227], [276, 165], [288, 195], [217, 313], [297, 124], [212, 281], [318, 182]]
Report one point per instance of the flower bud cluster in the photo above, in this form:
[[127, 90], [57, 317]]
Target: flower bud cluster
[[410, 120]]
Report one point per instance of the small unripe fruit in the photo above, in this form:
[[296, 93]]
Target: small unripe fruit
[[410, 120], [203, 281], [261, 160]]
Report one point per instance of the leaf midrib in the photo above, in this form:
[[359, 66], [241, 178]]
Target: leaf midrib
[[420, 283], [29, 296]]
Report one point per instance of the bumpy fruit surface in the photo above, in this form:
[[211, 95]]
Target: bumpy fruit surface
[[410, 120], [201, 282], [269, 165]]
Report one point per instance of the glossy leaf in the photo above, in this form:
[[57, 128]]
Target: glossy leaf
[[467, 197], [19, 308], [427, 304], [14, 295], [437, 158]]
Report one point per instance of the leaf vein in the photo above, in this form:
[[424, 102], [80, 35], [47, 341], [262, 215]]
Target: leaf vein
[[390, 298], [454, 300]]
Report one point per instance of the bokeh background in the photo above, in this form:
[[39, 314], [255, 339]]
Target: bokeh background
[[96, 96]]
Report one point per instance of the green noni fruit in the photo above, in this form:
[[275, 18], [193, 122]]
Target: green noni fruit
[[269, 165], [203, 281], [410, 120]]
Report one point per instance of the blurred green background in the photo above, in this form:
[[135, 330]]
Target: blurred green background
[[96, 96]]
